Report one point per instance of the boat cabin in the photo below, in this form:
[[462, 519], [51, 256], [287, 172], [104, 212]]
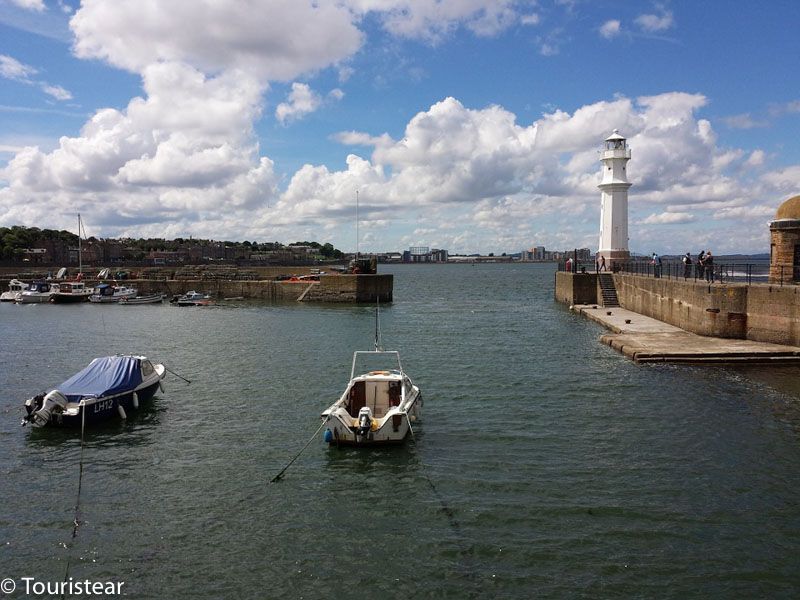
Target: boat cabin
[[378, 390]]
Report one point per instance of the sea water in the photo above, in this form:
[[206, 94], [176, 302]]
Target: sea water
[[545, 465]]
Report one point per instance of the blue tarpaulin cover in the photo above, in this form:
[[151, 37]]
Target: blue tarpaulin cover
[[103, 377]]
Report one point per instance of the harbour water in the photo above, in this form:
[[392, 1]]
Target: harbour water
[[546, 464]]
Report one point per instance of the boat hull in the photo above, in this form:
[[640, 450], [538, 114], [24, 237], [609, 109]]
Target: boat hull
[[105, 409], [58, 298], [391, 430]]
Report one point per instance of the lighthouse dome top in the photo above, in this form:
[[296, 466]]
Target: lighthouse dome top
[[789, 209], [614, 136]]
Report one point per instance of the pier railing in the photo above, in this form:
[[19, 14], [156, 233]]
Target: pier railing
[[721, 272]]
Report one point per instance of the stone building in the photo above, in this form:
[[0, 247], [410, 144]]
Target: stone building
[[784, 250]]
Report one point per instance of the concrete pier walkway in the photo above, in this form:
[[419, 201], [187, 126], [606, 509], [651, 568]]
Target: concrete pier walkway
[[644, 339]]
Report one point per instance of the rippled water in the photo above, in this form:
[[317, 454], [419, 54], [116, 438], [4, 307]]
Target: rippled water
[[546, 465]]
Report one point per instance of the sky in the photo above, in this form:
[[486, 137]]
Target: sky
[[468, 125]]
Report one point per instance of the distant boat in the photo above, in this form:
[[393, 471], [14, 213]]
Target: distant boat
[[194, 299], [106, 293], [37, 292], [378, 406], [109, 387], [70, 292], [151, 299], [15, 288], [73, 291]]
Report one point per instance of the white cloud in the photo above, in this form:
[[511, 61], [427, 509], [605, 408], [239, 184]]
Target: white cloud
[[530, 19], [743, 121], [11, 68], [652, 23], [36, 5], [56, 91], [669, 218], [434, 20], [756, 158], [301, 101], [610, 29], [273, 40], [197, 163]]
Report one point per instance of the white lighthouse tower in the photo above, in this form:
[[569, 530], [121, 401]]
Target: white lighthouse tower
[[614, 201]]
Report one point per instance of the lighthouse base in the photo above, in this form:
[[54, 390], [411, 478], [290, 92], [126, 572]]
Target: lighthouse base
[[613, 257]]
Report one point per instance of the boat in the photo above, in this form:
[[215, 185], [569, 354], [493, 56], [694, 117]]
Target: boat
[[106, 293], [38, 291], [193, 298], [151, 299], [15, 288], [71, 291], [109, 387], [378, 406]]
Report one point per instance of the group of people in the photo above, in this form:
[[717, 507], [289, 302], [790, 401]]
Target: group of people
[[704, 267]]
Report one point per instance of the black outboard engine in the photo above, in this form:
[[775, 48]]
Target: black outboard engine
[[364, 421], [40, 408]]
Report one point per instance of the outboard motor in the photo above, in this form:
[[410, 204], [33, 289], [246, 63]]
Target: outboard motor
[[364, 421], [41, 409]]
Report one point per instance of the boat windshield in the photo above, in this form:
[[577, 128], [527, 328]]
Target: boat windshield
[[382, 360]]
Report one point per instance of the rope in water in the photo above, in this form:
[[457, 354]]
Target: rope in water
[[76, 521], [279, 475]]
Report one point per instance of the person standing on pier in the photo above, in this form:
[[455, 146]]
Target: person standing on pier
[[687, 266], [708, 264], [700, 266], [656, 265], [602, 264]]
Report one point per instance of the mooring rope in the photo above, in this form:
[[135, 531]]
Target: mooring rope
[[176, 375], [76, 521], [279, 475]]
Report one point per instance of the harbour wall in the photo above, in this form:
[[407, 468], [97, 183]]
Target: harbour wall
[[758, 312], [330, 288]]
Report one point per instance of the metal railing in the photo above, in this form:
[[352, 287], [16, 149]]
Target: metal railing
[[722, 272]]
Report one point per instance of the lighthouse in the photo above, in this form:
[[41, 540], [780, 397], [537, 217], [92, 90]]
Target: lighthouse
[[614, 201]]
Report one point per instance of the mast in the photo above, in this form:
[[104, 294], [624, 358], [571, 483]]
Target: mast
[[80, 259], [356, 224]]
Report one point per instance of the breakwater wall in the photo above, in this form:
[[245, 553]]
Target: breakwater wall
[[330, 288], [758, 312]]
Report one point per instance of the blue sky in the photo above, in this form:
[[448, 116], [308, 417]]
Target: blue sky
[[471, 125]]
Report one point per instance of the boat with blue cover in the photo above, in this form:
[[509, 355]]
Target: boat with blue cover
[[108, 388]]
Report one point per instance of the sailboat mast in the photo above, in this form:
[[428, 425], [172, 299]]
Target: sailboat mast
[[80, 258], [356, 224]]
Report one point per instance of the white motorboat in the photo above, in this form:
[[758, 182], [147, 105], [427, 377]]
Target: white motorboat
[[70, 292], [38, 291], [151, 299], [106, 293], [378, 406], [15, 288], [193, 298]]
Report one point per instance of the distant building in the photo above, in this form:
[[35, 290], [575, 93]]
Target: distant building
[[423, 254]]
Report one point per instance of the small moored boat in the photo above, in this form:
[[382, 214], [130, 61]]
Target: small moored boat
[[193, 299], [151, 299], [105, 293], [108, 388], [377, 407], [70, 292], [38, 291], [15, 288]]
